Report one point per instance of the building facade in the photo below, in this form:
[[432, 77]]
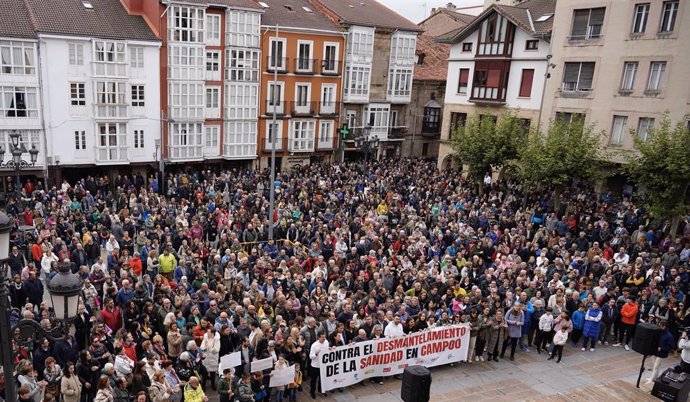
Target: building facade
[[210, 58], [379, 65], [621, 66], [307, 57], [497, 63]]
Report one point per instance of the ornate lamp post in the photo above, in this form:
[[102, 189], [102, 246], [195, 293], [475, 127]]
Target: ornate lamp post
[[367, 144], [17, 163]]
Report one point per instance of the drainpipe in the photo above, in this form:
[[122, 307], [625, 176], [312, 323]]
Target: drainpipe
[[43, 117]]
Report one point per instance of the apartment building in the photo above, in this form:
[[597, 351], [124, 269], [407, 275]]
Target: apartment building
[[306, 53], [209, 82], [620, 65], [20, 97], [379, 65], [499, 62]]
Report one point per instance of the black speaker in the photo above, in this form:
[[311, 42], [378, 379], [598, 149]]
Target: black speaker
[[416, 384], [646, 340], [672, 387]]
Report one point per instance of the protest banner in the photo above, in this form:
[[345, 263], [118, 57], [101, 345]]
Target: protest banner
[[350, 364], [230, 361], [282, 377], [259, 365]]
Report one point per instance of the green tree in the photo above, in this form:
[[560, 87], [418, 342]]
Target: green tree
[[484, 143], [568, 150], [661, 164]]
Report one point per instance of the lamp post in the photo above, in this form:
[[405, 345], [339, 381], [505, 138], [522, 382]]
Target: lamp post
[[366, 143], [157, 144], [17, 163], [64, 289]]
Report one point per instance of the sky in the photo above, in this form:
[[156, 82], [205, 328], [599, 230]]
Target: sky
[[414, 10]]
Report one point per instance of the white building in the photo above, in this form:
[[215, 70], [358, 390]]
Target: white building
[[497, 63]]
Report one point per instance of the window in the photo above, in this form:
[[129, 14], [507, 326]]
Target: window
[[186, 100], [525, 125], [136, 57], [212, 136], [186, 24], [110, 99], [137, 95], [80, 140], [241, 101], [360, 43], [457, 121], [242, 65], [330, 58], [618, 130], [587, 23], [110, 59], [239, 140], [489, 80], [526, 83], [357, 82], [578, 77], [640, 18], [304, 56], [569, 117], [302, 96], [532, 45], [17, 58], [185, 140], [327, 105], [186, 62], [276, 59], [399, 83], [656, 75], [112, 142], [393, 121], [326, 134], [76, 54], [77, 92], [668, 16], [242, 29], [18, 102], [275, 97], [212, 102], [301, 136], [496, 36], [213, 29], [463, 81], [213, 65], [432, 118], [351, 119], [629, 73], [467, 47], [271, 131], [138, 138], [643, 127]]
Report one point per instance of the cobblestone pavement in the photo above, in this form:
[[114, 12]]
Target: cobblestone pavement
[[580, 376]]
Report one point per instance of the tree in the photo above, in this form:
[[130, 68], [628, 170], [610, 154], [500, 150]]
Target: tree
[[662, 165], [568, 150], [484, 143]]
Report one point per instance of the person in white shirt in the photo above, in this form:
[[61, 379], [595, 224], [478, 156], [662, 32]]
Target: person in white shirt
[[599, 290], [123, 364], [319, 347], [545, 329], [394, 328], [621, 257], [684, 346]]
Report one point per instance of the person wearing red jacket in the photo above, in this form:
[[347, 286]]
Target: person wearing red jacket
[[628, 318], [136, 265], [111, 315]]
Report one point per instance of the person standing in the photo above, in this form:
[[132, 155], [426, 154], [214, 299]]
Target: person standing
[[70, 386], [666, 345], [684, 346], [545, 330], [515, 319], [628, 317], [592, 326], [559, 339], [497, 328], [319, 347]]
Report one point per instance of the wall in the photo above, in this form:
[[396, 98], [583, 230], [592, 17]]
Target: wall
[[379, 68]]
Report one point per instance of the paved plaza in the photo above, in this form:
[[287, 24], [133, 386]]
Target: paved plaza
[[609, 374]]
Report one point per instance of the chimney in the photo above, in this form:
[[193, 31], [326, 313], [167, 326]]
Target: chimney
[[450, 6]]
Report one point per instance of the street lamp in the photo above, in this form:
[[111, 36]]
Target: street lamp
[[64, 290], [17, 163], [367, 143]]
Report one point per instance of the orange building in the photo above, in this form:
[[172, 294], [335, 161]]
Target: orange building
[[306, 53]]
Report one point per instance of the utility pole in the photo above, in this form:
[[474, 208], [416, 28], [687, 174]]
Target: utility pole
[[272, 192]]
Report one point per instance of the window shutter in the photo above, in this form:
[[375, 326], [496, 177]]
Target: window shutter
[[526, 83], [580, 18], [464, 76], [597, 16], [571, 72], [586, 76], [494, 78]]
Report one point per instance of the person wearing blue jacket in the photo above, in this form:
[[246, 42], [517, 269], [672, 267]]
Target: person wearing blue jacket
[[666, 344], [578, 319], [528, 310], [592, 326]]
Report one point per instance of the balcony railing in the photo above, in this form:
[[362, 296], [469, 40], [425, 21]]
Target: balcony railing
[[276, 63], [329, 108], [305, 66], [279, 107], [302, 108], [331, 67], [111, 154], [268, 145]]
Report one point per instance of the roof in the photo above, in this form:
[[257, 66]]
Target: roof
[[107, 19], [464, 19], [291, 13], [434, 67], [220, 3], [368, 13], [14, 20], [524, 15]]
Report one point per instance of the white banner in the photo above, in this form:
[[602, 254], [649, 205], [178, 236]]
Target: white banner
[[350, 364], [282, 377]]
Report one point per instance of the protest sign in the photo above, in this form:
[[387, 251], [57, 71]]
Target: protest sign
[[230, 361], [259, 365], [350, 364], [282, 377]]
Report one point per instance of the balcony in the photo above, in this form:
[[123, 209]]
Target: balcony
[[111, 154], [331, 67], [329, 108], [276, 63], [305, 66], [487, 95], [186, 152], [279, 108], [302, 108]]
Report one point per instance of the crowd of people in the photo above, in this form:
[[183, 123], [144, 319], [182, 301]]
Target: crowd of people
[[172, 282]]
